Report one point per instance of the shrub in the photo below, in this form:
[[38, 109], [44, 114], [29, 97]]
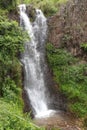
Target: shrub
[[12, 41], [71, 78], [9, 4], [12, 118], [84, 46], [48, 7], [11, 44]]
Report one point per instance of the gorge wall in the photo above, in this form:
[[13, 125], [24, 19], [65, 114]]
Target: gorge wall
[[68, 28]]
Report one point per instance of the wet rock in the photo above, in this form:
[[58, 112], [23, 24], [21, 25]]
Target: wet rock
[[31, 12], [27, 105], [59, 121], [13, 15]]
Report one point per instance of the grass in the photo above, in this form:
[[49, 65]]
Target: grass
[[12, 118]]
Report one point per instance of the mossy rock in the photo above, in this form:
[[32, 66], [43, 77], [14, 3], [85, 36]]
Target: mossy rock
[[31, 12]]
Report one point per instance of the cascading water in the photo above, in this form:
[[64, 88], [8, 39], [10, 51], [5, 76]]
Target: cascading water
[[32, 57]]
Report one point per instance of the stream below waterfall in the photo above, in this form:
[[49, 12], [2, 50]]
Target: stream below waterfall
[[59, 121]]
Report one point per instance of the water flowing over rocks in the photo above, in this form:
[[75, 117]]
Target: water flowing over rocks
[[36, 93]]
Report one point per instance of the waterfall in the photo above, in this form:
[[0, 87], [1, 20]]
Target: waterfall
[[32, 59]]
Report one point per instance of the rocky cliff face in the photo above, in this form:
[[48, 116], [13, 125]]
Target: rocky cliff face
[[68, 28]]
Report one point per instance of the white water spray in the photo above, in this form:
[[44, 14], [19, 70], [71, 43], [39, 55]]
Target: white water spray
[[34, 79]]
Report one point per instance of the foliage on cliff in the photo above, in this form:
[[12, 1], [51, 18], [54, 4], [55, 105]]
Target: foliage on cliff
[[12, 41], [68, 30], [71, 75], [48, 7], [8, 4]]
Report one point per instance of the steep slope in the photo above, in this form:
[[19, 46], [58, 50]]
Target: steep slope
[[67, 54], [68, 28]]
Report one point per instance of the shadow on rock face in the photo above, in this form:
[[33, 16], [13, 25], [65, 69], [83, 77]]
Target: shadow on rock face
[[30, 10], [27, 105]]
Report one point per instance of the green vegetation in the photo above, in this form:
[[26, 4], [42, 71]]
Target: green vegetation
[[84, 46], [11, 44], [71, 77], [48, 7], [8, 4], [11, 105], [12, 118], [68, 72]]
